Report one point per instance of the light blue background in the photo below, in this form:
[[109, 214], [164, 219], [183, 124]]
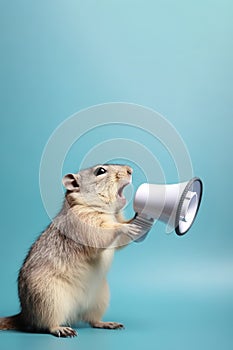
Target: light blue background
[[58, 57]]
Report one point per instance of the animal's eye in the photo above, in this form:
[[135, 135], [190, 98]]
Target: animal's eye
[[100, 171]]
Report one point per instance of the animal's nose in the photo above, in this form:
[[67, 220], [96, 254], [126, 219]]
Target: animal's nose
[[129, 170]]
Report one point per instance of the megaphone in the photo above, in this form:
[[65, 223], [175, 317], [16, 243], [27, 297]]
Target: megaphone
[[175, 204]]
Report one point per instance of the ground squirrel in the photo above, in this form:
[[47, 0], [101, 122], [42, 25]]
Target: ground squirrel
[[63, 277]]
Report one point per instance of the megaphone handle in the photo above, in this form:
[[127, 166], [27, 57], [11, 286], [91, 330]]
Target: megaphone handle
[[145, 226]]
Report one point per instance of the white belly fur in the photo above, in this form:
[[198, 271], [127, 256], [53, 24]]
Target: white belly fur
[[78, 297]]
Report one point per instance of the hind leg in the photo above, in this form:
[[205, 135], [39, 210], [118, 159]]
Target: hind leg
[[95, 313], [61, 314], [49, 308]]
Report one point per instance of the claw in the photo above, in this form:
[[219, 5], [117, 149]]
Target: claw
[[63, 332]]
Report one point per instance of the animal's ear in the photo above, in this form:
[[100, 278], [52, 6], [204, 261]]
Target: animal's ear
[[70, 182]]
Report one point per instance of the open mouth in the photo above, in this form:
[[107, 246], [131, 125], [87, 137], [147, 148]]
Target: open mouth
[[120, 193]]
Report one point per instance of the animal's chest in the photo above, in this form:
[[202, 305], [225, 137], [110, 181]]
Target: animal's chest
[[99, 269]]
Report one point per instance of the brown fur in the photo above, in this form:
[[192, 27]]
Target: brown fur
[[11, 322]]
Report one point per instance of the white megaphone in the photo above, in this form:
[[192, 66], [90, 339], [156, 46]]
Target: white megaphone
[[176, 205]]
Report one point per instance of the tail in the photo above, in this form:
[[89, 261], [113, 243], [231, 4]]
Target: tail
[[10, 323]]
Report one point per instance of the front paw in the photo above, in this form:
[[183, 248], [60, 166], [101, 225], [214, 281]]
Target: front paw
[[133, 231]]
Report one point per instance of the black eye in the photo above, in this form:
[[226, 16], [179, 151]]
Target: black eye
[[100, 171]]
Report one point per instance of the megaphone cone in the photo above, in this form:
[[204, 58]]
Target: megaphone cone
[[175, 204]]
